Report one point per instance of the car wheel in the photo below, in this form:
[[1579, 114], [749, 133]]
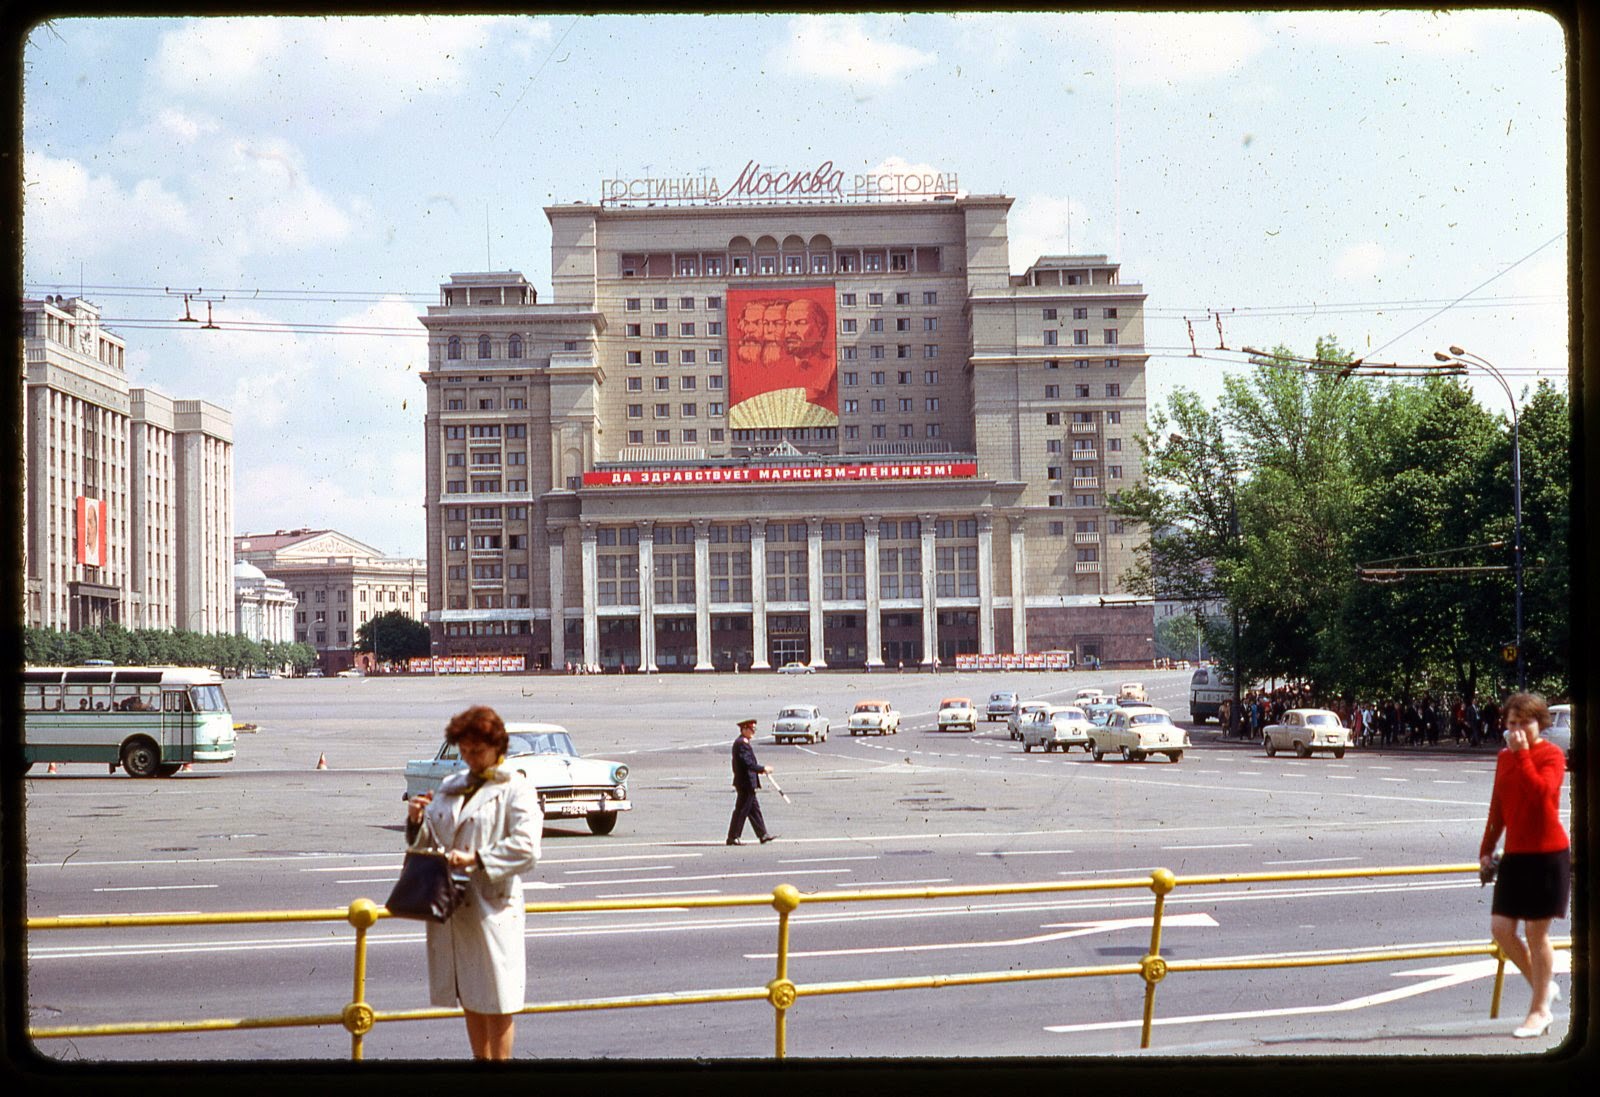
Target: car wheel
[[1302, 751], [602, 822], [1095, 752], [1176, 756], [1338, 752], [1272, 751], [1127, 755], [1027, 747]]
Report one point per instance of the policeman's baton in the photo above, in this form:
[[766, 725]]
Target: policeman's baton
[[779, 789]]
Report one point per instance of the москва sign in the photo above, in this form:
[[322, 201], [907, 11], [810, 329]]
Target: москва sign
[[756, 183]]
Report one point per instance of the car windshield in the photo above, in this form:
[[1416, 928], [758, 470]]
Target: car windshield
[[1001, 696], [1069, 714], [954, 702], [795, 713], [869, 707], [544, 742], [1322, 718], [1147, 718]]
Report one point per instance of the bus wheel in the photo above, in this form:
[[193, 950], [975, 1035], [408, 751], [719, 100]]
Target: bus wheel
[[141, 758], [602, 822]]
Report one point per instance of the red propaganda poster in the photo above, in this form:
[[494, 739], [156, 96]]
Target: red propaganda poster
[[782, 368], [91, 532]]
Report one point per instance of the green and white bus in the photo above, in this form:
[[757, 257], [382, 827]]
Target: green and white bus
[[149, 720]]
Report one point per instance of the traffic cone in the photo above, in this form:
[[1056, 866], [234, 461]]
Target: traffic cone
[[52, 768], [185, 768], [322, 761]]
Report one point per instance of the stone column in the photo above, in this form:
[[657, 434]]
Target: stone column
[[758, 595], [874, 592], [647, 596], [702, 594], [930, 609], [1019, 585], [814, 589], [986, 583], [558, 594], [591, 590]]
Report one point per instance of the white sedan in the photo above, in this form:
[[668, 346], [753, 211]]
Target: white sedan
[[1024, 712], [957, 714], [1059, 727], [1306, 731], [1138, 732], [800, 722], [569, 786], [796, 668]]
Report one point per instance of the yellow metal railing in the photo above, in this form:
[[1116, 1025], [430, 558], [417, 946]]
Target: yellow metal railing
[[358, 1017]]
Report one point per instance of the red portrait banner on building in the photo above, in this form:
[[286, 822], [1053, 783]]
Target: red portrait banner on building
[[91, 532], [782, 367]]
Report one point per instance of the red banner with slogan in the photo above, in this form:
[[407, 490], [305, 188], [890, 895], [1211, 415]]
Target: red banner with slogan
[[781, 474]]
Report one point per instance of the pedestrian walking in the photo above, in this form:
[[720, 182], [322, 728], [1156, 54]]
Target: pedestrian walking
[[1533, 879], [488, 821], [746, 780]]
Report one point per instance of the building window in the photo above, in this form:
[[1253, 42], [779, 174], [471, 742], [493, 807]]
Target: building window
[[635, 411], [686, 304], [847, 325], [848, 300], [932, 430], [636, 438], [633, 331], [514, 347], [631, 304], [662, 357], [690, 410], [1052, 418], [1081, 391], [635, 384], [1080, 313], [1109, 314], [1052, 392], [1113, 472], [1049, 314], [483, 346], [851, 407], [1110, 336], [659, 330], [1050, 336], [455, 404], [453, 347], [875, 324], [686, 329], [1113, 363], [931, 404], [663, 437], [1113, 390], [1113, 416], [658, 304]]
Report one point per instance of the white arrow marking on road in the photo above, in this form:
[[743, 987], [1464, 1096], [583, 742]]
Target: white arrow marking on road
[[1447, 976], [1071, 929]]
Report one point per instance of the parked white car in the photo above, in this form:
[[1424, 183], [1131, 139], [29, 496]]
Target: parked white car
[[1059, 727], [800, 722], [1089, 695], [1560, 730], [873, 718], [1137, 732], [1025, 711], [957, 714], [796, 668], [1307, 731], [1132, 691], [569, 786]]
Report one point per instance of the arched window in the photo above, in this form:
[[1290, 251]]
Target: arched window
[[483, 346], [453, 348], [514, 348]]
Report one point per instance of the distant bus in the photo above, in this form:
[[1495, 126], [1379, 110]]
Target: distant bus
[[1209, 689], [149, 720]]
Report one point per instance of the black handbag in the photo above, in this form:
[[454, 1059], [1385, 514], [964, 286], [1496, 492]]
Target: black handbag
[[426, 889]]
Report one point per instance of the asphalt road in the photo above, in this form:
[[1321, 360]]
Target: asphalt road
[[921, 809]]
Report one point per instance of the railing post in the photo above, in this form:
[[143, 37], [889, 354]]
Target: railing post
[[1499, 981], [357, 1014], [1152, 967], [781, 992]]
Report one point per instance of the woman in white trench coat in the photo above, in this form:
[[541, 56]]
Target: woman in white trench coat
[[488, 820]]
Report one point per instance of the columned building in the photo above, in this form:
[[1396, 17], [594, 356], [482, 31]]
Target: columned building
[[843, 434], [263, 606], [337, 584], [129, 493]]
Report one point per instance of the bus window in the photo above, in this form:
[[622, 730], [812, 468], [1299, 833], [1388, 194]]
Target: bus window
[[208, 699], [176, 700], [76, 697]]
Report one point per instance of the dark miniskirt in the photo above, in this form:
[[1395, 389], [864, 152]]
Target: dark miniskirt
[[1533, 885]]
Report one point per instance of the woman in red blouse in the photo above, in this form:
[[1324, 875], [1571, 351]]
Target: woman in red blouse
[[1535, 873]]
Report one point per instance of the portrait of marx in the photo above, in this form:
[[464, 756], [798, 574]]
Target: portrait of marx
[[782, 368]]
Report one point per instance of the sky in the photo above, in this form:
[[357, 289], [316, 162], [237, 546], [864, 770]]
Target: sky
[[1395, 181]]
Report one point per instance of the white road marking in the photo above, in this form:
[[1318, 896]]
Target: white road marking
[[162, 887], [1023, 852], [1446, 781], [816, 860], [631, 868], [1310, 861], [1447, 976], [719, 876], [658, 894], [1230, 845], [1068, 929], [1396, 780]]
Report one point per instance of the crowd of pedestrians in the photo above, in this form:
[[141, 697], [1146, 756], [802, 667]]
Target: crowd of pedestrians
[[1394, 721]]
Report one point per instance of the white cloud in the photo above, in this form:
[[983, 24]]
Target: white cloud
[[1437, 32], [66, 208], [1362, 261], [1175, 47], [1047, 224], [838, 47], [344, 71]]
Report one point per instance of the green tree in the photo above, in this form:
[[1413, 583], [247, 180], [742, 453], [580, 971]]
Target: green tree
[[393, 636], [1177, 637]]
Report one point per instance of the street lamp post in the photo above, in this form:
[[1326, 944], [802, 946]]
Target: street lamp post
[[1467, 358]]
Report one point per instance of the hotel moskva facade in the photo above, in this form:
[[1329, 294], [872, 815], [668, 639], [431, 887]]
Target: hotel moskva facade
[[835, 432]]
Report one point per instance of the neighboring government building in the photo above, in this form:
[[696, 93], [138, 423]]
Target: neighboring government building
[[332, 584], [835, 432], [129, 493]]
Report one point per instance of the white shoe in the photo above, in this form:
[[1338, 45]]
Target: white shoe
[[1529, 1031], [1555, 992]]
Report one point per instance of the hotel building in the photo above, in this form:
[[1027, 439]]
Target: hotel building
[[129, 493], [841, 433]]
